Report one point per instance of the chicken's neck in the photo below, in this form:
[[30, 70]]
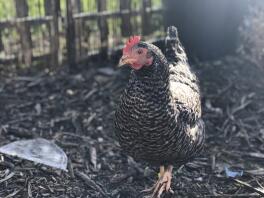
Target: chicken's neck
[[159, 70], [154, 79]]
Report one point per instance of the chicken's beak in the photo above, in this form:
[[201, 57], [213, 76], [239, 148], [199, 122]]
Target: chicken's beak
[[125, 60]]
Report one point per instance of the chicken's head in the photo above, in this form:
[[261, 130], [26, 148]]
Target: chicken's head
[[136, 54]]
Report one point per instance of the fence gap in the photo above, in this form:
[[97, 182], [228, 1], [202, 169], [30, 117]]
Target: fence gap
[[24, 31], [1, 42], [103, 27]]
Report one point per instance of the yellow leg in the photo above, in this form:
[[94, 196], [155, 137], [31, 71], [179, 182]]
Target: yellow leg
[[162, 170], [169, 176], [163, 184]]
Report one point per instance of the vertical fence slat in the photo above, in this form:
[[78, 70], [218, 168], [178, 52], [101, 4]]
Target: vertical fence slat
[[52, 9], [70, 40], [47, 5], [126, 27], [1, 42], [24, 31], [145, 17], [77, 8], [102, 23]]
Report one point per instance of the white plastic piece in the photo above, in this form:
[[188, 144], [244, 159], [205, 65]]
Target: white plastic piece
[[37, 150]]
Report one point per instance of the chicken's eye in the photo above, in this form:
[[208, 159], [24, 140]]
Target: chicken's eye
[[139, 51]]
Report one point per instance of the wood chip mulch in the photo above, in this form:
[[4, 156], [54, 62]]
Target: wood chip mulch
[[76, 111]]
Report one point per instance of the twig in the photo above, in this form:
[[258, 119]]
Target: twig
[[93, 157], [213, 162], [89, 94], [29, 191], [243, 103], [91, 183], [59, 134], [7, 177], [71, 172], [241, 107], [258, 190], [121, 178], [234, 195], [13, 193], [90, 119], [256, 155], [257, 172]]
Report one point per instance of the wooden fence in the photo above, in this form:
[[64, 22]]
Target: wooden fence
[[71, 31]]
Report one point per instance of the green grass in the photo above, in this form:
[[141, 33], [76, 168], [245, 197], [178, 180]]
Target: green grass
[[7, 9], [89, 5], [156, 3], [36, 7]]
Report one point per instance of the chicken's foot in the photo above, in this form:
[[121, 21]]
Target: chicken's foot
[[163, 184]]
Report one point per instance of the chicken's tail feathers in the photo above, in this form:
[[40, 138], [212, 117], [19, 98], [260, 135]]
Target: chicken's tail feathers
[[174, 49]]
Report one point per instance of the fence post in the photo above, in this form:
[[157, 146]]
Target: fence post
[[146, 27], [24, 31], [126, 27], [52, 9], [70, 40], [102, 23]]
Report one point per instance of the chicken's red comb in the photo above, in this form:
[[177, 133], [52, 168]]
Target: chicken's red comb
[[130, 43]]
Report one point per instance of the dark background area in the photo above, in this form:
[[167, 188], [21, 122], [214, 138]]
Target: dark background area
[[208, 29]]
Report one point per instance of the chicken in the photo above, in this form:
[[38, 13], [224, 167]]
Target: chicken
[[158, 119]]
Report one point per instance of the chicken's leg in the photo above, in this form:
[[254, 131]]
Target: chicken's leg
[[163, 183], [162, 170]]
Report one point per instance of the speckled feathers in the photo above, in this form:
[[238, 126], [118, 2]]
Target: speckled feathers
[[158, 118]]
